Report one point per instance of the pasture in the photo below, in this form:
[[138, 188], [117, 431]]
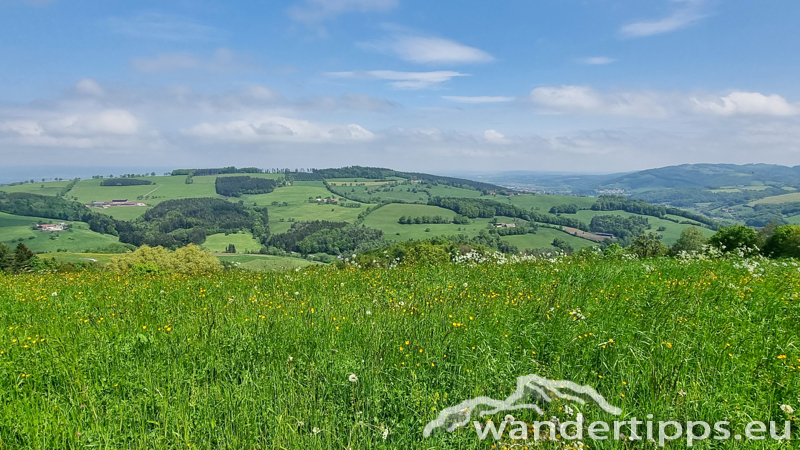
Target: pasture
[[386, 219], [545, 202], [44, 188], [15, 229], [218, 243], [671, 234]]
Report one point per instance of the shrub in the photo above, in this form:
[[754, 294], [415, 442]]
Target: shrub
[[691, 240], [189, 259], [729, 239], [427, 254], [647, 246], [784, 242]]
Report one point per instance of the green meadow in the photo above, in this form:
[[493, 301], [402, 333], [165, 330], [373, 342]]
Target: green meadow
[[329, 358], [15, 229], [671, 233], [386, 219], [243, 241]]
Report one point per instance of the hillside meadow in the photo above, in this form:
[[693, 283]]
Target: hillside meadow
[[327, 357]]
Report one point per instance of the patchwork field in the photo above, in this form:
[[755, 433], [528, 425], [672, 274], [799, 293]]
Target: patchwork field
[[299, 207], [671, 234], [290, 204], [386, 219], [786, 198]]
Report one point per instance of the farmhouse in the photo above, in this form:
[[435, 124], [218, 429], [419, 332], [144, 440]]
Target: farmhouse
[[52, 226], [505, 225], [119, 202]]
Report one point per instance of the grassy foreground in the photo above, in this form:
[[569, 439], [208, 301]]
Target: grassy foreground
[[263, 360]]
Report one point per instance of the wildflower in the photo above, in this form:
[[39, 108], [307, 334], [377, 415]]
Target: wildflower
[[787, 409], [352, 378], [509, 418], [369, 313], [682, 393], [290, 359], [385, 433], [781, 356], [54, 294], [568, 410], [316, 430]]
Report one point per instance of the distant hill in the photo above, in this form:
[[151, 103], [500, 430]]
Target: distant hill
[[708, 176], [695, 176]]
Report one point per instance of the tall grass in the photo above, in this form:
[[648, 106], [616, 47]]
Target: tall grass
[[246, 360]]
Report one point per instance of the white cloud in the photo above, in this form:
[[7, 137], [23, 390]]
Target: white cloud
[[278, 129], [478, 99], [223, 60], [314, 11], [597, 60], [105, 129], [110, 121], [90, 87], [163, 27], [685, 15], [403, 80], [494, 137], [427, 50], [584, 99], [746, 103]]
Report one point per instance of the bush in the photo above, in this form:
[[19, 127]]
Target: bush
[[691, 240], [648, 246], [784, 242], [190, 259], [737, 237], [427, 254]]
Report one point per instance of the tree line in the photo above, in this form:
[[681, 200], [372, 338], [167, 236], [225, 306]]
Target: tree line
[[124, 182], [241, 185]]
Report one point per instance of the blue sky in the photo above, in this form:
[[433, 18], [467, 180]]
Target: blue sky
[[548, 85]]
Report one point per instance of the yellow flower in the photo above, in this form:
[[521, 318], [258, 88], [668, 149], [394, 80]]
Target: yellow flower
[[781, 356]]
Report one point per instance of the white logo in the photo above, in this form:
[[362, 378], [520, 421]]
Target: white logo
[[528, 387]]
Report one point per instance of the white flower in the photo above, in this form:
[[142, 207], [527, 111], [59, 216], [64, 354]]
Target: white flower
[[56, 293], [465, 284], [291, 358], [352, 378], [300, 423], [296, 293], [787, 409], [508, 418], [316, 430], [682, 393], [369, 313], [385, 433], [568, 410]]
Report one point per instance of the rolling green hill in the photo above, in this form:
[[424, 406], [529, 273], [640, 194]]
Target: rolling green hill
[[374, 198]]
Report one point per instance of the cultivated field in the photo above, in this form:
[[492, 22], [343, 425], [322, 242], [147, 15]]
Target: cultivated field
[[364, 359]]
